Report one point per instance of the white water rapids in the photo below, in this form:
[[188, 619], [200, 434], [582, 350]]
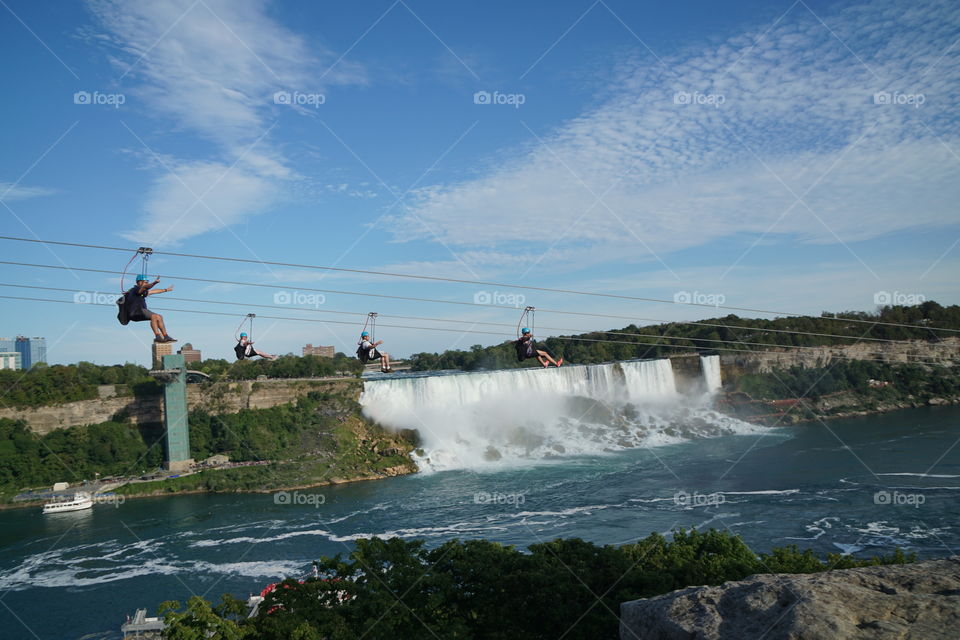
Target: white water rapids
[[479, 419]]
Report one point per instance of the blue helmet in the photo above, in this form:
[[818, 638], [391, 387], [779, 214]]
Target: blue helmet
[[142, 277], [525, 330], [243, 335], [364, 334]]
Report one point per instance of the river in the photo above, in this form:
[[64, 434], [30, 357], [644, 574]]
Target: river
[[862, 486]]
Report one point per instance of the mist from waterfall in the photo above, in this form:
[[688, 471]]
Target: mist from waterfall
[[482, 420]]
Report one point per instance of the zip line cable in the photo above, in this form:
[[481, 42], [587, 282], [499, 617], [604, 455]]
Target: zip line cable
[[372, 316], [456, 280], [398, 326], [473, 304]]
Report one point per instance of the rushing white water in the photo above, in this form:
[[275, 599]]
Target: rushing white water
[[481, 419], [711, 372]]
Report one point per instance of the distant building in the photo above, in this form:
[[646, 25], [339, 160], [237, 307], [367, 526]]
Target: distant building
[[10, 360], [326, 352], [31, 350], [161, 349], [7, 344], [189, 353]]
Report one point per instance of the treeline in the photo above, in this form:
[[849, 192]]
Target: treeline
[[918, 382], [569, 588], [288, 366], [55, 384], [731, 331], [110, 448], [72, 455]]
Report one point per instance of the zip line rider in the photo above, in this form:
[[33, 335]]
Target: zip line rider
[[244, 349], [527, 348], [135, 301], [368, 351]]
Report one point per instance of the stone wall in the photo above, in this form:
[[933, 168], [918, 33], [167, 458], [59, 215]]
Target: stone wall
[[946, 352], [221, 397]]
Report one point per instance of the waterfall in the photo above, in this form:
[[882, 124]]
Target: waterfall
[[480, 419], [711, 373]]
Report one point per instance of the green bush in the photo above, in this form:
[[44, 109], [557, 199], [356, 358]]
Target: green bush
[[481, 589]]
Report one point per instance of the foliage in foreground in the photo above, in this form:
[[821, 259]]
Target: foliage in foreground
[[481, 589]]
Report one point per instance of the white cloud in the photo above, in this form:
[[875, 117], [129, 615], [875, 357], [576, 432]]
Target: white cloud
[[10, 191], [212, 68], [794, 111]]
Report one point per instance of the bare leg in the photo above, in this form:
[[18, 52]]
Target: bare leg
[[543, 356], [384, 361], [265, 355], [156, 324]]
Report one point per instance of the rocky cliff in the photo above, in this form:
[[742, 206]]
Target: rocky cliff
[[221, 397], [943, 352], [905, 602]]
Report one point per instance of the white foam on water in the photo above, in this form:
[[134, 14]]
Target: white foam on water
[[921, 475], [498, 419]]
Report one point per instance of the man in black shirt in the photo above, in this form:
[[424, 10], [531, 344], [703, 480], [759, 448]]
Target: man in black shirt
[[135, 300], [244, 349], [527, 348]]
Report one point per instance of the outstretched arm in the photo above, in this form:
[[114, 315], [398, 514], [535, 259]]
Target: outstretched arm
[[151, 292]]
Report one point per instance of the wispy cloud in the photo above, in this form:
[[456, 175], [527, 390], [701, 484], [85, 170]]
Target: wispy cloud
[[212, 68], [810, 131], [10, 191]]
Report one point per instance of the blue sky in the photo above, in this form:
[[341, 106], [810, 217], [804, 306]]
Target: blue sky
[[798, 156]]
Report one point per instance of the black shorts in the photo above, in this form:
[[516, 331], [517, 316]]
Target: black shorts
[[142, 315]]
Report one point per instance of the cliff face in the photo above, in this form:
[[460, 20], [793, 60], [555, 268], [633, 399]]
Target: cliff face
[[220, 397], [909, 601], [945, 352]]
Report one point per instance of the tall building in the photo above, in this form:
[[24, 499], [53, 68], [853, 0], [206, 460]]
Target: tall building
[[189, 353], [31, 350], [326, 352], [10, 360], [161, 349], [7, 345]]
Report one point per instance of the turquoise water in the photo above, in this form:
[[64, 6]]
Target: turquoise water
[[862, 486]]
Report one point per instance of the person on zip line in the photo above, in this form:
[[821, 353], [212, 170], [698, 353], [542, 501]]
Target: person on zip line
[[244, 349], [135, 301], [367, 352], [527, 348]]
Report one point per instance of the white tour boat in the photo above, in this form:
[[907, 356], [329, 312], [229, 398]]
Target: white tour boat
[[79, 501]]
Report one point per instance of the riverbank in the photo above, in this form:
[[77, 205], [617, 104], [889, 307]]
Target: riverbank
[[842, 390], [317, 439]]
